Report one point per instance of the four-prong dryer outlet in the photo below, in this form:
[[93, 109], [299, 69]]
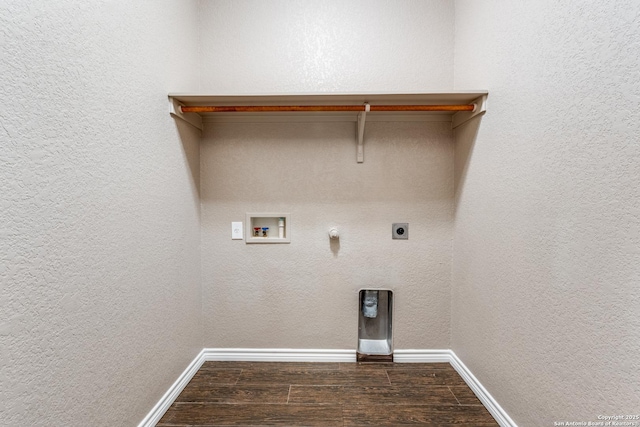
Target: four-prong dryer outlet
[[400, 230]]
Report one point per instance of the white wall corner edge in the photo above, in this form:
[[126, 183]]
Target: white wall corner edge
[[322, 355]]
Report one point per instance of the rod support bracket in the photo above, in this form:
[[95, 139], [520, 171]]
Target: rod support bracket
[[479, 108], [362, 117], [175, 109]]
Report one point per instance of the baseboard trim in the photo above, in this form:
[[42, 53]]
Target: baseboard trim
[[422, 356], [174, 391], [320, 355], [434, 356], [485, 397], [278, 355]]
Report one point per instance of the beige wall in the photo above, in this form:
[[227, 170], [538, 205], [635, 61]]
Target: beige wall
[[100, 243], [304, 294], [99, 210], [546, 263], [302, 46]]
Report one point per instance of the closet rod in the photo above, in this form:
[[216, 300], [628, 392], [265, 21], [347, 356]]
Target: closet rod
[[313, 108]]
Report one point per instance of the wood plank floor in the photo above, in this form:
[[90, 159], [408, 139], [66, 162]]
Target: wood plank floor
[[326, 394]]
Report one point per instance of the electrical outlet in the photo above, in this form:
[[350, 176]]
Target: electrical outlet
[[400, 230], [236, 230]]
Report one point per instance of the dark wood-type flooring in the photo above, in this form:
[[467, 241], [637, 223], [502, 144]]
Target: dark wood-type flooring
[[326, 394]]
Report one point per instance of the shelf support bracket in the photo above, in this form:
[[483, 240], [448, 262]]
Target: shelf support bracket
[[362, 117], [464, 116], [175, 110]]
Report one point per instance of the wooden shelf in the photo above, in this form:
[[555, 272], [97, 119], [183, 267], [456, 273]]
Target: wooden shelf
[[437, 98], [460, 98]]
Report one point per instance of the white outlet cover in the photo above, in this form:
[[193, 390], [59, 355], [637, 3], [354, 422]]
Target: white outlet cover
[[236, 230]]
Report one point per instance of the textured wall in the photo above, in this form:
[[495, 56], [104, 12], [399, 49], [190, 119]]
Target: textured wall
[[99, 217], [546, 302], [284, 46], [304, 294], [99, 257]]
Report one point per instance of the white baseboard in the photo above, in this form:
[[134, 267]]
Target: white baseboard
[[485, 397], [315, 355], [422, 356], [433, 356], [278, 355], [174, 391]]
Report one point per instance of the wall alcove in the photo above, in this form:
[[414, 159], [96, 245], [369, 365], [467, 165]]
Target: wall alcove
[[294, 154]]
